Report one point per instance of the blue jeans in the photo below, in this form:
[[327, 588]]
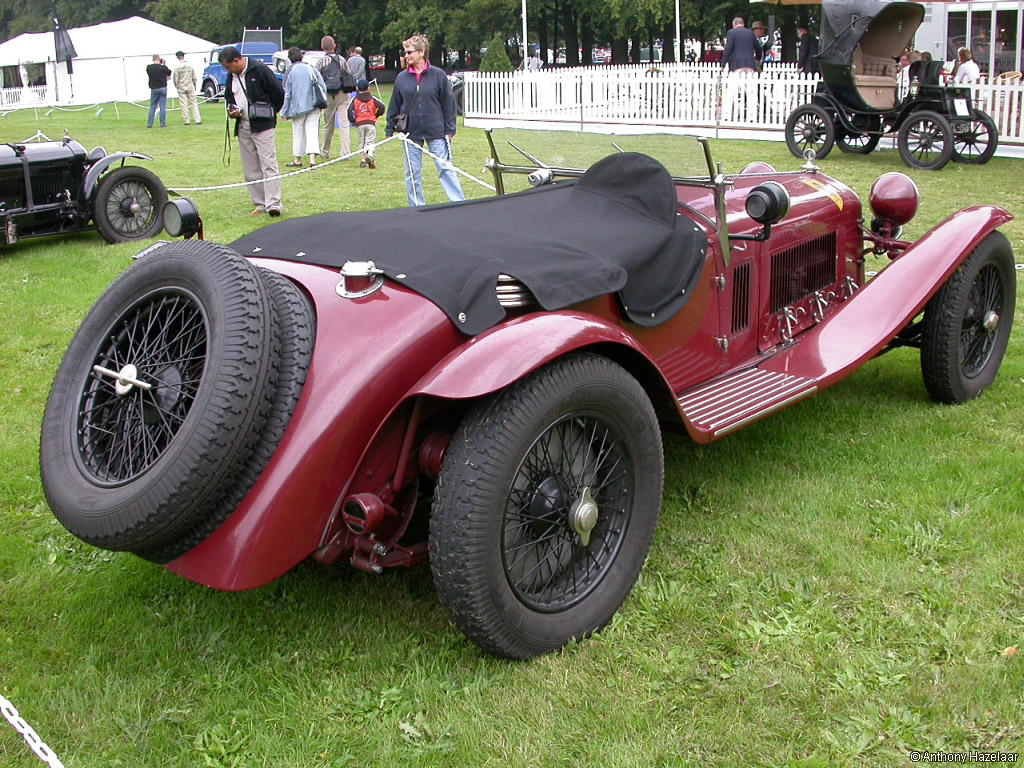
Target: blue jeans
[[157, 96], [445, 172]]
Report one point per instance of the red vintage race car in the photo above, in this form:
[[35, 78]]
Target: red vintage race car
[[231, 411]]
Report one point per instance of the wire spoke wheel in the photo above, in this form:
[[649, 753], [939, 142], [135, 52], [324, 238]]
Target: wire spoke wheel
[[546, 561], [124, 428], [546, 506], [129, 205], [161, 397], [980, 321]]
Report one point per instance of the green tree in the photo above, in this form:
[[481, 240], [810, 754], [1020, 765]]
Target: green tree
[[496, 59]]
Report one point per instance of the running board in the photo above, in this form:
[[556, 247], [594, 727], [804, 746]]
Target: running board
[[740, 398]]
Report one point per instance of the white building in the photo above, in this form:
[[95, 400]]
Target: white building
[[992, 30]]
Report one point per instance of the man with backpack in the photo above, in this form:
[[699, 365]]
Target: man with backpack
[[339, 83]]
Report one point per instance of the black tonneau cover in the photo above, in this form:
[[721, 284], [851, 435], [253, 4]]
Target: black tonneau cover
[[615, 229]]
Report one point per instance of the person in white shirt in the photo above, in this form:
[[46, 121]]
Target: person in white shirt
[[966, 70]]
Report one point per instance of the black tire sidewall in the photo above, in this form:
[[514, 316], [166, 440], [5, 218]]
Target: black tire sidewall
[[154, 187], [298, 331], [940, 363]]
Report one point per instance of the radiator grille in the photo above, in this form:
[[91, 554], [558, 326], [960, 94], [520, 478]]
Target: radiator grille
[[48, 184], [741, 297], [12, 191], [798, 272]]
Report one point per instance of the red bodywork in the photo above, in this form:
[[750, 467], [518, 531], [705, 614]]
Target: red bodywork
[[390, 373]]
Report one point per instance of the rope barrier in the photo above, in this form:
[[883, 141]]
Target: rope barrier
[[397, 137], [36, 744]]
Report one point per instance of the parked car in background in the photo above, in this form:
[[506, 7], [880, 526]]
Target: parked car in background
[[862, 96], [53, 187], [281, 63], [215, 77]]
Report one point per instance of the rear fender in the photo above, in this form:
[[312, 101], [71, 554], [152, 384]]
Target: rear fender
[[92, 177], [876, 313], [499, 357]]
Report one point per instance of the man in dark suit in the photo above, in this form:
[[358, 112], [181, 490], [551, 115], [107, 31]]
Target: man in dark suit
[[741, 48], [806, 62]]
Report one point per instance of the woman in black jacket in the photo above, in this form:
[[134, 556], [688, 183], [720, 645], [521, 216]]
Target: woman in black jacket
[[423, 93]]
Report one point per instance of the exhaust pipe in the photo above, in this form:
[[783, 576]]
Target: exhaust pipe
[[363, 512]]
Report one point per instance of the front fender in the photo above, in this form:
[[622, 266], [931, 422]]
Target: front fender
[[92, 177], [869, 321]]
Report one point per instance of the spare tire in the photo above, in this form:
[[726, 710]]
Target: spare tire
[[160, 397], [298, 331]]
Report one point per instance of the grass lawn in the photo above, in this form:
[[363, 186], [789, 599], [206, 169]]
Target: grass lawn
[[835, 585]]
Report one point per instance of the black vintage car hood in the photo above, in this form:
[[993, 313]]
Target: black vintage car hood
[[616, 229]]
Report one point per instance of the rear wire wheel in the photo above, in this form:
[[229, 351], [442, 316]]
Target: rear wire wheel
[[159, 397], [810, 127], [967, 323], [925, 141], [546, 506]]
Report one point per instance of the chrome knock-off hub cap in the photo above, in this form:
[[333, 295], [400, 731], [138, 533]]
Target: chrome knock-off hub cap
[[583, 516], [991, 321], [125, 379]]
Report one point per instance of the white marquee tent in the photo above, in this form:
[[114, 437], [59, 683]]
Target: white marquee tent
[[110, 66]]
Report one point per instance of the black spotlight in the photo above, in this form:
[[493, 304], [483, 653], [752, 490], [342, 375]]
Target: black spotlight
[[181, 218]]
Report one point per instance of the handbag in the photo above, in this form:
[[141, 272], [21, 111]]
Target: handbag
[[261, 110], [319, 97], [258, 110], [402, 118]]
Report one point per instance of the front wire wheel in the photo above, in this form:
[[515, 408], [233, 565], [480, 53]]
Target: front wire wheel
[[925, 141], [975, 141], [967, 323], [810, 127], [546, 507], [129, 205]]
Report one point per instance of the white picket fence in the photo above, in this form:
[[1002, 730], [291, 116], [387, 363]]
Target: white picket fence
[[674, 98], [29, 96]]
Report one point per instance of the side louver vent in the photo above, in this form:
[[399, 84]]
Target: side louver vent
[[741, 297], [800, 271], [512, 293]]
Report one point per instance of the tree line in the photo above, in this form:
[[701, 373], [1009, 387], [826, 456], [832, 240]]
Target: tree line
[[464, 26]]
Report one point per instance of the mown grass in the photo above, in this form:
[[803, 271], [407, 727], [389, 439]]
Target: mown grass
[[833, 586]]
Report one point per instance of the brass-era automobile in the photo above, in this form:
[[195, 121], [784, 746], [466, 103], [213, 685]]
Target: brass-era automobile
[[232, 411], [862, 95], [53, 187]]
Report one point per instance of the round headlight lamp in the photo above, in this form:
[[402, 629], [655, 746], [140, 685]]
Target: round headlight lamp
[[894, 198], [181, 218]]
